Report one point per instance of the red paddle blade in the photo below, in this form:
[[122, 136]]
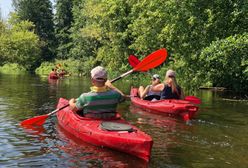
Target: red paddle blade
[[193, 99], [133, 61], [153, 60], [38, 120]]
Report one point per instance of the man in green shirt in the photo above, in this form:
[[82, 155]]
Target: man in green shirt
[[101, 102]]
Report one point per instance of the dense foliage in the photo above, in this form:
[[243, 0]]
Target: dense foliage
[[71, 66], [13, 68], [63, 21], [226, 62], [206, 40], [19, 44], [40, 13]]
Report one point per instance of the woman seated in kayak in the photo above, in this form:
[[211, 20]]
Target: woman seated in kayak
[[147, 93], [169, 89], [101, 102]]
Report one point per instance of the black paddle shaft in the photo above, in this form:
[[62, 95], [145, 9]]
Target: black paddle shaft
[[125, 74]]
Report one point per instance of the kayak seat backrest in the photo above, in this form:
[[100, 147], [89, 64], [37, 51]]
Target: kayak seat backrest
[[114, 126], [152, 97]]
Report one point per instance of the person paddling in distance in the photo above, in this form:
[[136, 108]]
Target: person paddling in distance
[[62, 73], [101, 102], [147, 93], [169, 89], [53, 74]]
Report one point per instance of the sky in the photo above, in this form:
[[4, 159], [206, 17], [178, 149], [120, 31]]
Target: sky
[[6, 7]]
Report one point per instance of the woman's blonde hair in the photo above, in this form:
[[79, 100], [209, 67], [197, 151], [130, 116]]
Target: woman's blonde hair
[[170, 78], [173, 82]]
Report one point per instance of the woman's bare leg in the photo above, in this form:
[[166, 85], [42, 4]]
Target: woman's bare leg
[[141, 91]]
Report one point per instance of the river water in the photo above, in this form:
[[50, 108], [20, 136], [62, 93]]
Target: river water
[[217, 137]]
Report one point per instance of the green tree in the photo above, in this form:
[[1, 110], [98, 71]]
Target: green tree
[[2, 27], [63, 21], [99, 31], [19, 44], [225, 63], [40, 13], [185, 28], [83, 47]]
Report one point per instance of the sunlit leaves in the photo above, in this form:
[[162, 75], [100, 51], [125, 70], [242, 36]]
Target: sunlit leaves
[[20, 45], [225, 62], [40, 14]]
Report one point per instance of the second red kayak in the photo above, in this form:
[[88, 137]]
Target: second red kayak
[[128, 138], [183, 108]]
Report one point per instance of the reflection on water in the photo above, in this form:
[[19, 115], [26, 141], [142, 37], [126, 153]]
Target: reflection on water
[[217, 137]]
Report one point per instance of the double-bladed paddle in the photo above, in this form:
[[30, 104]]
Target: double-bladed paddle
[[39, 120], [133, 60], [151, 61]]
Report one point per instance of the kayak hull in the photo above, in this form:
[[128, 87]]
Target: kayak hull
[[53, 77], [183, 108], [89, 130]]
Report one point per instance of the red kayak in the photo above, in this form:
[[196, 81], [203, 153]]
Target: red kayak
[[178, 107], [123, 136], [53, 77]]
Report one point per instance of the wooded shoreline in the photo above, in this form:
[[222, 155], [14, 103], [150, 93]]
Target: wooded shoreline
[[207, 41]]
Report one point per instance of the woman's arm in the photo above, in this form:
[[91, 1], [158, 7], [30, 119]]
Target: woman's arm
[[158, 88], [145, 91]]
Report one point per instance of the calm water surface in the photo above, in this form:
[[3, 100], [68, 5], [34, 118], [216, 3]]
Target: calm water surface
[[217, 137]]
